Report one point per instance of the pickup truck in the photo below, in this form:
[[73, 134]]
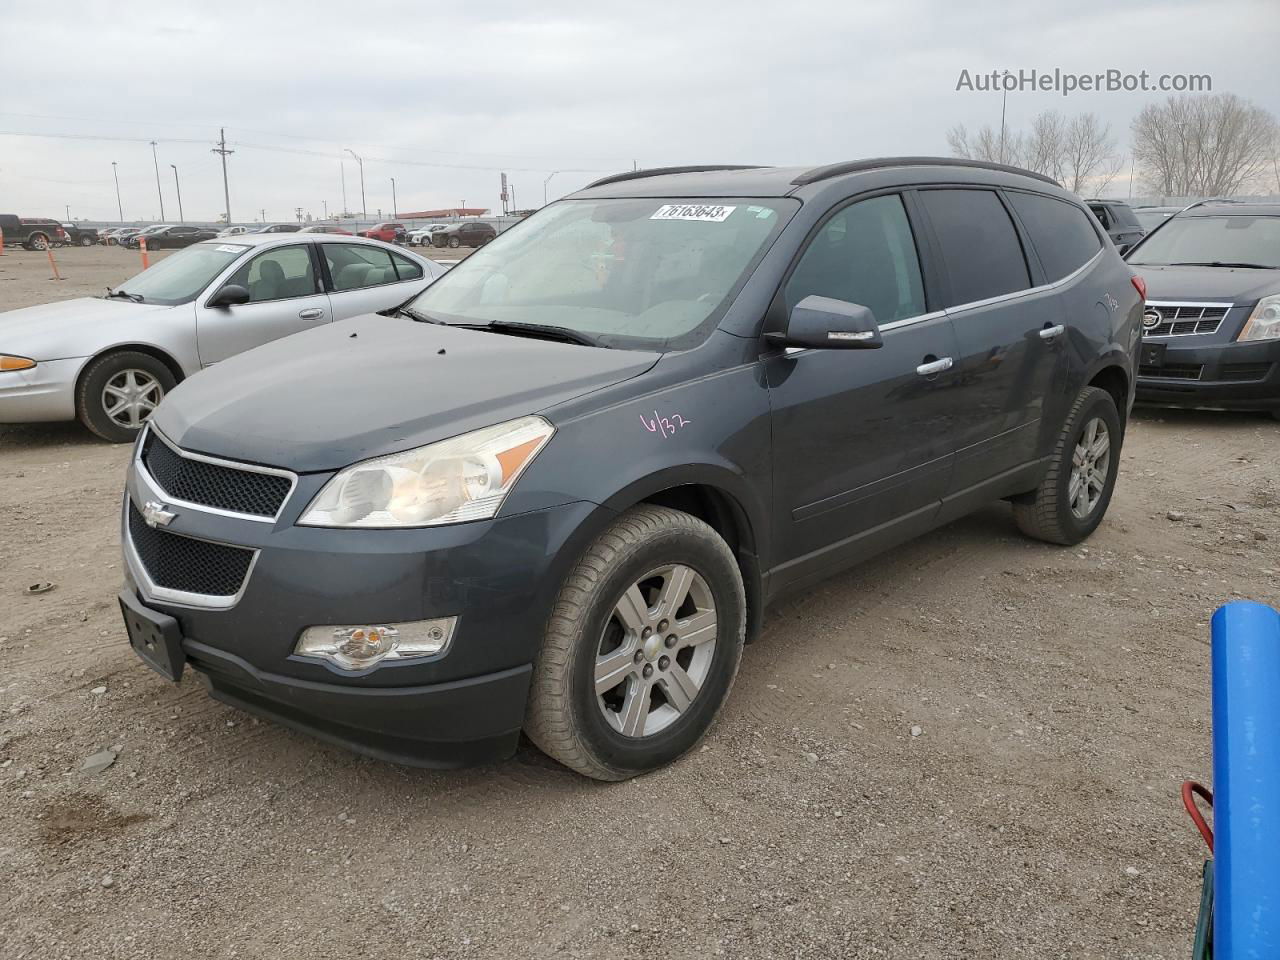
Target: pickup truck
[[78, 236], [386, 232], [34, 233]]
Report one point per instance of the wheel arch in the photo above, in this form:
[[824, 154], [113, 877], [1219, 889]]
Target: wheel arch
[[1114, 378], [149, 349]]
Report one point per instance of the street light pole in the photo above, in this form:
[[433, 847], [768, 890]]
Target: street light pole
[[544, 186], [394, 214], [159, 192], [119, 206], [178, 187], [364, 209]]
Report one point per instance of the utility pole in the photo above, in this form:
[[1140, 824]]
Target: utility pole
[[343, 167], [264, 215], [178, 187], [297, 212], [119, 205], [364, 210], [222, 149], [326, 208], [394, 214], [159, 192], [68, 207]]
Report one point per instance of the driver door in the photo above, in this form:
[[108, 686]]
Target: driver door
[[285, 296]]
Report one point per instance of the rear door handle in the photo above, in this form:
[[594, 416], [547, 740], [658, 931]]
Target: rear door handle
[[934, 368], [315, 313], [1048, 333]]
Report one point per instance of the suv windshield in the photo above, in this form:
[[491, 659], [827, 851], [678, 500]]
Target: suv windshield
[[640, 273], [1210, 240], [179, 278]]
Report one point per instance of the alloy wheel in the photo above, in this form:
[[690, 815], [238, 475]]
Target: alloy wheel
[[656, 651], [1090, 466], [130, 396]]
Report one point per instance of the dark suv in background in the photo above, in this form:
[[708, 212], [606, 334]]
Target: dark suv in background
[[471, 233], [591, 457], [1120, 222], [1212, 318]]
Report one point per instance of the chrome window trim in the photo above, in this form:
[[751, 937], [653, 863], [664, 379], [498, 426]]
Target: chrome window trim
[[151, 591], [154, 485]]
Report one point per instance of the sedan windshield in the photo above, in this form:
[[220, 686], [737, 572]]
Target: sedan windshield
[[180, 278], [1211, 241], [643, 274]]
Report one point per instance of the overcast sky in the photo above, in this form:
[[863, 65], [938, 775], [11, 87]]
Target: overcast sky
[[443, 98]]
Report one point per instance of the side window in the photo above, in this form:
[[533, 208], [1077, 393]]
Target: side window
[[1103, 215], [1060, 232], [864, 254], [406, 268], [278, 274], [353, 266], [980, 245]]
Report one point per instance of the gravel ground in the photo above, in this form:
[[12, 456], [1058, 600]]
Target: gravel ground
[[968, 747]]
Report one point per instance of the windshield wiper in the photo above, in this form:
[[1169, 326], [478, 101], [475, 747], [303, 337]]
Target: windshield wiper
[[413, 314], [1224, 263], [123, 295], [563, 334]]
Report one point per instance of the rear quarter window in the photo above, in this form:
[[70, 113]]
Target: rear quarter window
[[1060, 232]]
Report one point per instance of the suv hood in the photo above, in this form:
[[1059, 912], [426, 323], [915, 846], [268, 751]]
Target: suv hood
[[373, 385], [69, 328], [1235, 284]]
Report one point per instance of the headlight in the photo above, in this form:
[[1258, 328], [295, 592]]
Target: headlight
[[1264, 322], [15, 363], [452, 481]]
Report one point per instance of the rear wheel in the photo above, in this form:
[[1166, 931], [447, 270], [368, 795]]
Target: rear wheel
[[1073, 497], [38, 241], [118, 393], [642, 646], [454, 242], [86, 241]]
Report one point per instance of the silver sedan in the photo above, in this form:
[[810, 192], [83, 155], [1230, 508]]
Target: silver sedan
[[108, 361]]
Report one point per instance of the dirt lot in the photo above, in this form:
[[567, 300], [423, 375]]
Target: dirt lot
[[1061, 696]]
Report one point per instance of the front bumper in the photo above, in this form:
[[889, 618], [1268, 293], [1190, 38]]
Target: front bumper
[[1227, 376], [498, 577], [44, 393]]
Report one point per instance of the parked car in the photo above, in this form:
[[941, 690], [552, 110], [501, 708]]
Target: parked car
[[121, 237], [325, 228], [1117, 218], [1212, 319], [234, 231], [278, 228], [34, 233], [79, 236], [469, 233], [1152, 217], [422, 236], [386, 232], [557, 490], [108, 361], [108, 237], [170, 237]]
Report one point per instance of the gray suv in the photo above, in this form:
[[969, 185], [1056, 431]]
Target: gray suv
[[556, 491]]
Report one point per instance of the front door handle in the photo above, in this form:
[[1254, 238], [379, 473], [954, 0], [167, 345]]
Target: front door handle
[[935, 367], [1048, 333], [315, 313]]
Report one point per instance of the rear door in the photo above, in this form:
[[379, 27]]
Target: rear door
[[862, 439], [285, 296], [366, 278], [1010, 335]]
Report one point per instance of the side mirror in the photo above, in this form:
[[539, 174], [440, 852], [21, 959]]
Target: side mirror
[[824, 324], [230, 296]]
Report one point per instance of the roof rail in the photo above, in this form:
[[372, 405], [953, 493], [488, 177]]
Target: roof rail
[[1206, 201], [661, 171], [856, 166]]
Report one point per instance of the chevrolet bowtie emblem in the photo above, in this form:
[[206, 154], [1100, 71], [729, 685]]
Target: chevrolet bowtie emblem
[[156, 515]]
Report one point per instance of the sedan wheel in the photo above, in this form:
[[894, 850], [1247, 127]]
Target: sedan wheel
[[118, 392], [129, 397]]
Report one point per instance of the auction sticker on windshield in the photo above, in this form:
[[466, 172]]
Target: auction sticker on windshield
[[230, 248], [693, 211]]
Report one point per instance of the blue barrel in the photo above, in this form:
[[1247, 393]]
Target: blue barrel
[[1246, 782]]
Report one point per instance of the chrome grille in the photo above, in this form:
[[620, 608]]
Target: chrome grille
[[1161, 319], [187, 565], [218, 485]]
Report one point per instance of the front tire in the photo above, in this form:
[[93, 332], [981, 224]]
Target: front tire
[[454, 242], [1076, 490], [118, 393], [86, 241], [642, 646], [38, 241]]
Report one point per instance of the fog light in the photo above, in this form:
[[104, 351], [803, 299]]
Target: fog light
[[363, 646]]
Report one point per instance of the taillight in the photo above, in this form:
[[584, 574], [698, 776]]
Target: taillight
[[1140, 285]]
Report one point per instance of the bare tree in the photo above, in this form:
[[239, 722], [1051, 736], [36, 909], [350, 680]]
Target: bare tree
[[986, 144], [1045, 144], [1089, 158], [1203, 146], [1079, 152]]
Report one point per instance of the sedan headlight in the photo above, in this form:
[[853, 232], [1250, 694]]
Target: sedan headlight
[[1264, 322], [453, 481]]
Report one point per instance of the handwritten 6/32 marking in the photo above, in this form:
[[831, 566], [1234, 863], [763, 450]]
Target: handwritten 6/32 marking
[[666, 426]]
